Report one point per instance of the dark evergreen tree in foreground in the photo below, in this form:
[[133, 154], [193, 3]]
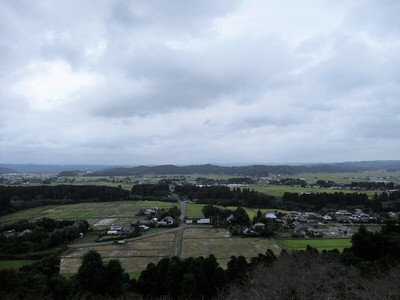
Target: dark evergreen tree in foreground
[[191, 278], [96, 278]]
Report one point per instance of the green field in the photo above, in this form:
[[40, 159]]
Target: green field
[[343, 178], [14, 264], [194, 210], [196, 241], [93, 212], [279, 190], [320, 244]]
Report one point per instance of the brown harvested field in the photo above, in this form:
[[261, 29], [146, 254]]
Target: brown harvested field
[[201, 233], [217, 241], [136, 255]]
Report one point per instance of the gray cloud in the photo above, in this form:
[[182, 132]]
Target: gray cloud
[[137, 82]]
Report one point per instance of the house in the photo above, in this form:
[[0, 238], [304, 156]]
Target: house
[[206, 221], [129, 229], [271, 216], [115, 228], [145, 222], [312, 232], [343, 216], [250, 232], [300, 230], [113, 232], [150, 211], [167, 221], [230, 218], [258, 225], [9, 233]]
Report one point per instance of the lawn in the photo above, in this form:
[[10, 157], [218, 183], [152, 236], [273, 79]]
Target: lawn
[[14, 264], [193, 210], [320, 244]]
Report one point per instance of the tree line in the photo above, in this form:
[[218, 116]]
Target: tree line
[[22, 197], [317, 201], [223, 195]]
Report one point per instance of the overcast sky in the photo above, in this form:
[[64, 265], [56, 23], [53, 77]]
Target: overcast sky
[[190, 82]]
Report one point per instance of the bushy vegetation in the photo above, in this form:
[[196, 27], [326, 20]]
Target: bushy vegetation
[[31, 239]]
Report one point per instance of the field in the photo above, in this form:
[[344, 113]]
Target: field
[[279, 190], [14, 264], [135, 255], [320, 244], [122, 212], [193, 210], [157, 243], [217, 241], [349, 177]]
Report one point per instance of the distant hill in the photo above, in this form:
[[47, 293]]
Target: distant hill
[[241, 170], [253, 170], [33, 168], [376, 165]]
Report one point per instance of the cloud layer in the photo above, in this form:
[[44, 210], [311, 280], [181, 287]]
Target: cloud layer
[[153, 82]]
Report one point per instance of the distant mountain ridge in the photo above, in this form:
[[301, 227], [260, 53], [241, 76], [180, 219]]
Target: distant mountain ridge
[[244, 170], [252, 170]]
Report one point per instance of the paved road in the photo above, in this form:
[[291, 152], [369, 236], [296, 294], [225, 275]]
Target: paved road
[[128, 240], [176, 251]]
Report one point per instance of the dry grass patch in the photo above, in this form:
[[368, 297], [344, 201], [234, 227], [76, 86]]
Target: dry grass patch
[[134, 256], [201, 233], [216, 241]]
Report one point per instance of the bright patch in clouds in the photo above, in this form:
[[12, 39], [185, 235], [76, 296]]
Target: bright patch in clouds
[[51, 85]]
